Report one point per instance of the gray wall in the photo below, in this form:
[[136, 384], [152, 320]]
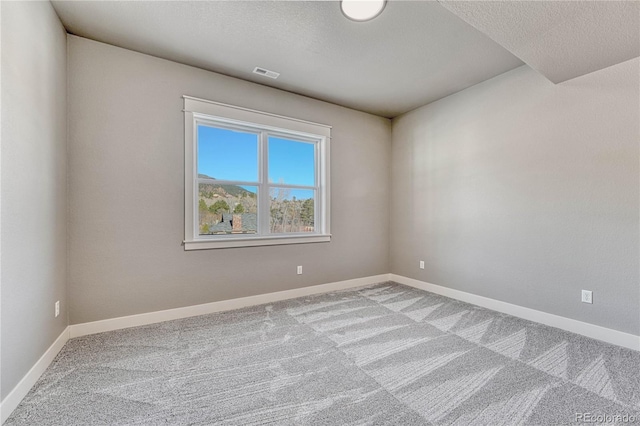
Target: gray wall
[[126, 190], [526, 192], [34, 197]]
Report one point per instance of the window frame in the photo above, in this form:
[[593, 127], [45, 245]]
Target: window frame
[[199, 111]]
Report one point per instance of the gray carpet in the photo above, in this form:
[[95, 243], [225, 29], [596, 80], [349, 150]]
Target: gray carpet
[[385, 354]]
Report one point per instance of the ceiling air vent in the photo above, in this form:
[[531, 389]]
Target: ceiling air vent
[[266, 73]]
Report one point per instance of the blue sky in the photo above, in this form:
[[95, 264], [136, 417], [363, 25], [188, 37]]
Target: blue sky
[[233, 155]]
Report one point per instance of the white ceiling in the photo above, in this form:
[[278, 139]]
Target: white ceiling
[[560, 39], [412, 54]]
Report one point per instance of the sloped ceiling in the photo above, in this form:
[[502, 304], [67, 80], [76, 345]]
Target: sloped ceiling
[[560, 39]]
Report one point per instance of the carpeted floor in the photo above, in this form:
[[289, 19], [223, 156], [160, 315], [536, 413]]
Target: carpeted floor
[[385, 354]]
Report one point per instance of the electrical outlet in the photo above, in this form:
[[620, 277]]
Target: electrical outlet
[[57, 307], [587, 296], [299, 270], [422, 264]]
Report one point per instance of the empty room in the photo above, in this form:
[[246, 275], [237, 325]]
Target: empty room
[[319, 212]]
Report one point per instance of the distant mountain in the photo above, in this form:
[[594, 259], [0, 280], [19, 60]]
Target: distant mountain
[[233, 190]]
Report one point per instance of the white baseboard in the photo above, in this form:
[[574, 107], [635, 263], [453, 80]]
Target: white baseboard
[[590, 330], [77, 330], [593, 331], [604, 334], [24, 386]]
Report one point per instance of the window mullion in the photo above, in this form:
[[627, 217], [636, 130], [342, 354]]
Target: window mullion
[[263, 201]]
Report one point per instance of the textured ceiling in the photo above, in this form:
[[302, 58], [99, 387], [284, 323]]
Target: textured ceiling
[[559, 39], [412, 54]]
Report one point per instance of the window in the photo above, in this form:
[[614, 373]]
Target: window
[[253, 178]]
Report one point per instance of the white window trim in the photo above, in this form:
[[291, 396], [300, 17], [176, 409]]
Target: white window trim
[[200, 110]]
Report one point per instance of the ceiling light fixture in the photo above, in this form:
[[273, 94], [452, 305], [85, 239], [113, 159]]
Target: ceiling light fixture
[[362, 10]]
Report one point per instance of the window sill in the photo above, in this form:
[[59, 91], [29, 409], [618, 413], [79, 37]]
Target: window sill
[[255, 241]]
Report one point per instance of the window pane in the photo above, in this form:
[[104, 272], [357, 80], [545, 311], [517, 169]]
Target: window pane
[[227, 154], [291, 162], [292, 210], [227, 209]]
